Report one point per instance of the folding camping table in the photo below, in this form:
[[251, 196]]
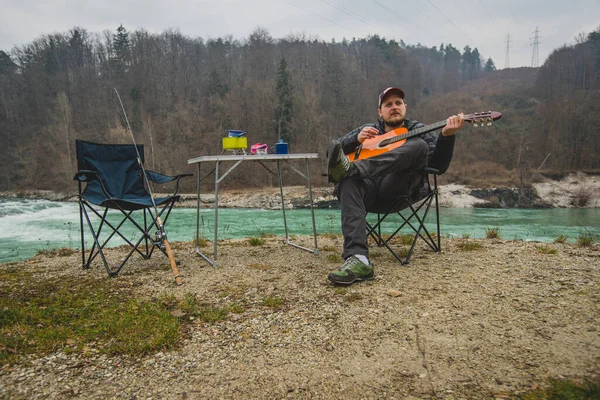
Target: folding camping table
[[262, 160]]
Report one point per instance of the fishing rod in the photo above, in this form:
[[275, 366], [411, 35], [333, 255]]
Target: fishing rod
[[161, 235]]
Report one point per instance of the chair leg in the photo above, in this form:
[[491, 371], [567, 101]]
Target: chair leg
[[98, 246], [96, 236], [419, 211], [81, 228]]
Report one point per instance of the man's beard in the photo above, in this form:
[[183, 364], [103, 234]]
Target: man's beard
[[395, 123]]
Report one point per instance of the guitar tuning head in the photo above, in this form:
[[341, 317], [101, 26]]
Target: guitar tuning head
[[489, 124], [475, 124]]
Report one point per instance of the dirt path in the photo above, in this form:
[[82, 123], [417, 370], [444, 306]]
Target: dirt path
[[457, 324]]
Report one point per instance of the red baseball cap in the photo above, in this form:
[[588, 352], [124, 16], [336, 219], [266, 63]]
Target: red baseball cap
[[390, 90]]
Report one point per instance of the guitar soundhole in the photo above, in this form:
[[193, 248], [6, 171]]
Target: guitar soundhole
[[384, 143]]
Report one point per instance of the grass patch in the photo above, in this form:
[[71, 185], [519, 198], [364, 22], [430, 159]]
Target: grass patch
[[329, 248], [406, 239], [466, 235], [273, 302], [564, 389], [585, 240], [560, 239], [207, 313], [341, 291], [545, 249], [12, 274], [202, 242], [236, 308], [469, 246], [256, 241], [334, 258], [63, 252], [492, 233], [331, 236], [237, 290], [42, 317]]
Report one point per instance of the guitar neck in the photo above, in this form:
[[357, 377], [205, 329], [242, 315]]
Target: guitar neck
[[419, 131]]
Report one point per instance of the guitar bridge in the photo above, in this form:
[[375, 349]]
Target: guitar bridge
[[357, 152]]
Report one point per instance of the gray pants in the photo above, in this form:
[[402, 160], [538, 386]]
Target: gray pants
[[382, 179]]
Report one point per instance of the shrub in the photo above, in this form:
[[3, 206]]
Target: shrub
[[585, 240], [545, 249], [560, 239], [492, 233], [256, 241]]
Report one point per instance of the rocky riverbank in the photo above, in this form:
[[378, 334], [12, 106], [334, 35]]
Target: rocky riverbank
[[573, 190], [483, 319]]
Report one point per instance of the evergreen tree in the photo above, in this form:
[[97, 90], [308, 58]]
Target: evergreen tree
[[283, 112], [489, 65], [470, 66], [121, 57], [6, 64]]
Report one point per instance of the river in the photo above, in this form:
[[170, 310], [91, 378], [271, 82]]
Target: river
[[27, 226]]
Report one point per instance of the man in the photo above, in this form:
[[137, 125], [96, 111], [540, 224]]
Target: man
[[372, 183]]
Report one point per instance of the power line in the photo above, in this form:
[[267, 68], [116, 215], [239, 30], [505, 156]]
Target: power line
[[487, 11], [465, 14], [317, 15], [394, 13], [449, 20], [348, 12]]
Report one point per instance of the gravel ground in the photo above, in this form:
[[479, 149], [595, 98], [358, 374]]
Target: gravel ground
[[486, 323]]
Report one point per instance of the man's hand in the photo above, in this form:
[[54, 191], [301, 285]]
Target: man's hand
[[455, 122], [368, 132]]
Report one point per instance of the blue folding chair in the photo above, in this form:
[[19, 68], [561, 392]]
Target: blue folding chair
[[114, 179]]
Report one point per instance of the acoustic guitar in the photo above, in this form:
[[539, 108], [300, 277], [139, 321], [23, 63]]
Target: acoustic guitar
[[396, 138]]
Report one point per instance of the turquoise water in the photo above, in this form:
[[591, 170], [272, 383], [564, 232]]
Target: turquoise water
[[27, 226]]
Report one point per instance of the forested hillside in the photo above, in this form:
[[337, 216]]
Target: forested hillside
[[182, 93]]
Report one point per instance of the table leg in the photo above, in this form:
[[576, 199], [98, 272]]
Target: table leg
[[198, 208], [216, 213], [312, 208], [287, 238]]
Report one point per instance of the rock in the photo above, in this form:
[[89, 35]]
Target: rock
[[509, 198]]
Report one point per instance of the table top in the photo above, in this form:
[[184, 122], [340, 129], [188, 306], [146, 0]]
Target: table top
[[254, 157]]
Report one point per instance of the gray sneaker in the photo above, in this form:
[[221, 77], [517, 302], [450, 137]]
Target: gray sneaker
[[338, 166], [353, 270]]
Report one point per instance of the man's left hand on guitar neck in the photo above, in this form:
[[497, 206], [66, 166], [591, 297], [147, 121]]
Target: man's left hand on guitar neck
[[455, 122]]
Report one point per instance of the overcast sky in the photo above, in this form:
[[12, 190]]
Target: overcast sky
[[484, 24]]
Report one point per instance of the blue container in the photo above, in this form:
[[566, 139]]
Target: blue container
[[281, 147], [235, 133]]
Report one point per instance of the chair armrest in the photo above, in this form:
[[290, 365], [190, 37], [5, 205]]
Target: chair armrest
[[431, 171], [84, 175], [160, 178]]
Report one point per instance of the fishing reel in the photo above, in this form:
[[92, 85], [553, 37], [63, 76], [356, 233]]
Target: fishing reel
[[159, 239]]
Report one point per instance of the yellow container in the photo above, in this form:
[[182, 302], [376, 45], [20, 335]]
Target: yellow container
[[235, 143]]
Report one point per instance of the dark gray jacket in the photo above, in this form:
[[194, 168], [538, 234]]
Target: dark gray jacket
[[441, 147]]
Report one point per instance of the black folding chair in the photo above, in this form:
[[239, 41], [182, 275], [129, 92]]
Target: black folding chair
[[114, 180], [413, 211]]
